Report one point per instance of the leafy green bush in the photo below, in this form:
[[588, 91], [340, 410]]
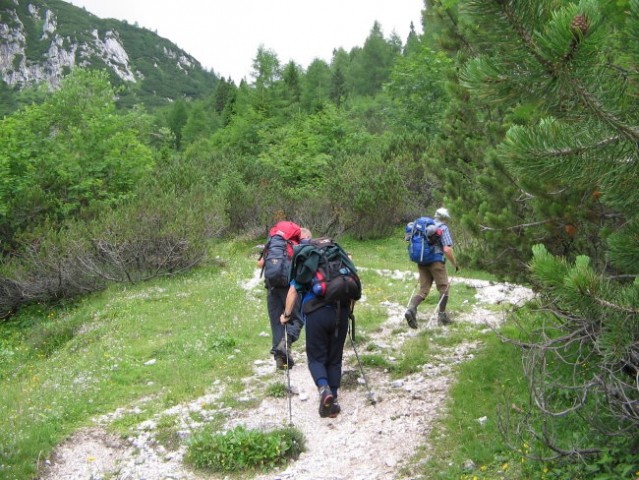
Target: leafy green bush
[[68, 158], [241, 449]]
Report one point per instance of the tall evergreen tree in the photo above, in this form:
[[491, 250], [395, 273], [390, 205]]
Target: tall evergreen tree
[[338, 91], [372, 64], [565, 74], [317, 85], [266, 72], [292, 83], [412, 41]]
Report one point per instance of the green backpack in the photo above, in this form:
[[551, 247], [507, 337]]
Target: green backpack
[[323, 267]]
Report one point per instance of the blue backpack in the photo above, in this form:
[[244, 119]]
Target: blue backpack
[[278, 251], [424, 241]]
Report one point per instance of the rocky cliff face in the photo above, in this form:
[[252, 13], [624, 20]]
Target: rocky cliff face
[[43, 40]]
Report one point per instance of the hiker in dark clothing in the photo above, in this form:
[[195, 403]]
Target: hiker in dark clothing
[[326, 329], [275, 299]]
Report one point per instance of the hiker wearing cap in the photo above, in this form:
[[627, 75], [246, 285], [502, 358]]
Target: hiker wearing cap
[[435, 271], [275, 263], [326, 279]]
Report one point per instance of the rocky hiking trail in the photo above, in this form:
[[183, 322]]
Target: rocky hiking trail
[[367, 441]]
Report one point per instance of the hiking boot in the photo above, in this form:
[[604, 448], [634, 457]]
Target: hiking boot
[[282, 362], [335, 409], [411, 317], [327, 400], [284, 353], [443, 318]]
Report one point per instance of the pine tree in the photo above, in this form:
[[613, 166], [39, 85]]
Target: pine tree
[[338, 91], [372, 64], [565, 75]]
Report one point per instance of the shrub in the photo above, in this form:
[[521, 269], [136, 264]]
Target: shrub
[[158, 233], [241, 449]]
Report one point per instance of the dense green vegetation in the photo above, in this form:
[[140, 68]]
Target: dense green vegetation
[[519, 115]]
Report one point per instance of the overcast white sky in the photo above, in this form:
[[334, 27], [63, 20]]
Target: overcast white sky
[[224, 35]]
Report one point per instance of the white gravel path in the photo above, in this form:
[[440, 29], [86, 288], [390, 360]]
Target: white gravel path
[[365, 442]]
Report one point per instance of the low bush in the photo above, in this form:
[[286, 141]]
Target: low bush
[[241, 449]]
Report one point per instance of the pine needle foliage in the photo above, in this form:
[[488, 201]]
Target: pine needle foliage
[[564, 75]]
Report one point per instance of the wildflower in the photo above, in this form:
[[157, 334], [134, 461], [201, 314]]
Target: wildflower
[[505, 466]]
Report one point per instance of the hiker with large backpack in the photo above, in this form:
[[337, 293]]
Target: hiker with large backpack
[[325, 277], [429, 245], [275, 262]]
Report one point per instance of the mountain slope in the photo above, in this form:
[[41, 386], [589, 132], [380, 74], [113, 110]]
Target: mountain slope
[[42, 40]]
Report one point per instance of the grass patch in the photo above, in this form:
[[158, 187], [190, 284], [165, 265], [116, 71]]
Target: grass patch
[[467, 443], [241, 450], [277, 390], [167, 433], [415, 353], [375, 361]]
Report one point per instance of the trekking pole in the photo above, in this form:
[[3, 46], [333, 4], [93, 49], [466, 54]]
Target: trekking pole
[[370, 395], [288, 376]]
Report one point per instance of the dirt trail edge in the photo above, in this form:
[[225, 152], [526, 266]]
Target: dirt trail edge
[[365, 442]]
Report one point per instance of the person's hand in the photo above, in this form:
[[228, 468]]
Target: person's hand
[[284, 319]]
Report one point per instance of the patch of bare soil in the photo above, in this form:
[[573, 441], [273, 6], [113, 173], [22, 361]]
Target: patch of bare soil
[[382, 424]]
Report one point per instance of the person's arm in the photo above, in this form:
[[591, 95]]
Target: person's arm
[[450, 255], [447, 246], [289, 305]]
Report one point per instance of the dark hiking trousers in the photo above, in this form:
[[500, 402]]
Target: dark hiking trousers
[[325, 337], [275, 300]]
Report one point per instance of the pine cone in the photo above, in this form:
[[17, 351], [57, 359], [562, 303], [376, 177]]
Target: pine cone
[[579, 25]]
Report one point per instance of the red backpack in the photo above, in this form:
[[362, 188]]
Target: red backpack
[[278, 251]]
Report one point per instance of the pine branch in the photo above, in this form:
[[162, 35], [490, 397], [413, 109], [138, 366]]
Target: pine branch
[[614, 306], [484, 228], [594, 104], [509, 12], [575, 151]]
